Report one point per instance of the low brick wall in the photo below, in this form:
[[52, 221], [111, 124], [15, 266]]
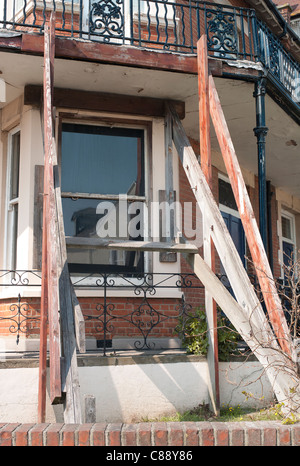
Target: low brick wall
[[155, 434]]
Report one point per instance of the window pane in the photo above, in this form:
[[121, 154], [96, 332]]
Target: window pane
[[15, 164], [226, 196], [14, 236], [286, 228], [91, 218], [102, 160]]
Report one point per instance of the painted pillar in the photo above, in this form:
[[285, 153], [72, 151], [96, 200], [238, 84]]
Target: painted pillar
[[260, 132]]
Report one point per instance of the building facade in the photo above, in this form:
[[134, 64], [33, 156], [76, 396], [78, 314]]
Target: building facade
[[116, 65]]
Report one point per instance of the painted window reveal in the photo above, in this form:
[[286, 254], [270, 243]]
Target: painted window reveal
[[98, 164], [288, 239], [12, 210]]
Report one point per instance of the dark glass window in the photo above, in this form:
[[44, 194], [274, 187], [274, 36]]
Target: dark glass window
[[99, 160], [226, 196]]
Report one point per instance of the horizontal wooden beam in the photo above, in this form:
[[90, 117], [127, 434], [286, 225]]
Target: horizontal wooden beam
[[103, 102], [100, 52], [122, 55], [99, 243]]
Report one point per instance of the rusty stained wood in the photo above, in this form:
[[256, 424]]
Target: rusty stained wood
[[257, 250], [119, 55], [44, 317], [51, 228], [68, 48], [63, 360], [208, 246], [245, 312]]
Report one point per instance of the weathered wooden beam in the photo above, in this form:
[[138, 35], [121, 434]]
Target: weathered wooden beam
[[102, 102], [257, 250], [119, 55], [43, 319], [89, 409], [52, 268], [208, 246], [110, 197], [276, 365], [245, 313], [99, 243]]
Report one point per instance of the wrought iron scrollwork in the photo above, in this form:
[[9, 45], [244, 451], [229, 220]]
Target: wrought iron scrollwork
[[142, 315], [221, 32], [107, 20], [19, 318]]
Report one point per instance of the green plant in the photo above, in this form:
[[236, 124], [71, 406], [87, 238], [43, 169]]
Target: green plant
[[194, 334]]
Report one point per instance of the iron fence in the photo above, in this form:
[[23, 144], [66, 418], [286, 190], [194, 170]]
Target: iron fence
[[173, 26], [142, 311], [142, 317]]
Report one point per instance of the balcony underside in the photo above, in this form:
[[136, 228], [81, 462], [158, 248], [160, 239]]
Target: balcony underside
[[80, 66]]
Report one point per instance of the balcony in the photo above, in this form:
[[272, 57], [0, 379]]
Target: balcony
[[233, 33]]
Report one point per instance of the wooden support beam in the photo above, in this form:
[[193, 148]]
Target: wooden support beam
[[97, 52], [245, 312], [43, 320], [208, 246], [63, 360], [52, 267], [257, 250], [99, 243], [102, 102], [282, 377]]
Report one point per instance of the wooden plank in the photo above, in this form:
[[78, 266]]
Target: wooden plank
[[110, 197], [208, 246], [68, 287], [44, 318], [102, 102], [167, 218], [275, 363], [119, 55], [89, 409], [58, 275], [72, 320], [257, 250], [99, 243], [245, 313], [38, 217], [53, 299], [237, 275]]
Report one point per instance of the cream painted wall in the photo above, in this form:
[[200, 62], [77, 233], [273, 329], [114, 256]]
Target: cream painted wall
[[31, 155], [133, 392]]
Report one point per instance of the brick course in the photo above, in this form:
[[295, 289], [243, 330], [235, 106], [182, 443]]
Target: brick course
[[175, 434]]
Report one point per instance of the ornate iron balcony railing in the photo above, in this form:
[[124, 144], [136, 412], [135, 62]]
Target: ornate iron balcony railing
[[233, 33]]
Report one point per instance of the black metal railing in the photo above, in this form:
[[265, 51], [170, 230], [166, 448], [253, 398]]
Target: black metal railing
[[145, 314], [174, 26], [138, 314]]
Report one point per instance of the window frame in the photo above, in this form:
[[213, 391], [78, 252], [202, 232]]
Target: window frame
[[11, 217], [230, 211], [290, 216], [109, 121]]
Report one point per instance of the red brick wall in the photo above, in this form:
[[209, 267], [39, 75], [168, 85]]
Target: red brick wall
[[156, 434]]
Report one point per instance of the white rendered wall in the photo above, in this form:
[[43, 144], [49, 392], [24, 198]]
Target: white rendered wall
[[134, 392]]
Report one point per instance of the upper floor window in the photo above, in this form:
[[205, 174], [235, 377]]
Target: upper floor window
[[12, 199]]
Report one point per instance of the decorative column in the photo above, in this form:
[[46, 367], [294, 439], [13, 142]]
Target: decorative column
[[260, 132]]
